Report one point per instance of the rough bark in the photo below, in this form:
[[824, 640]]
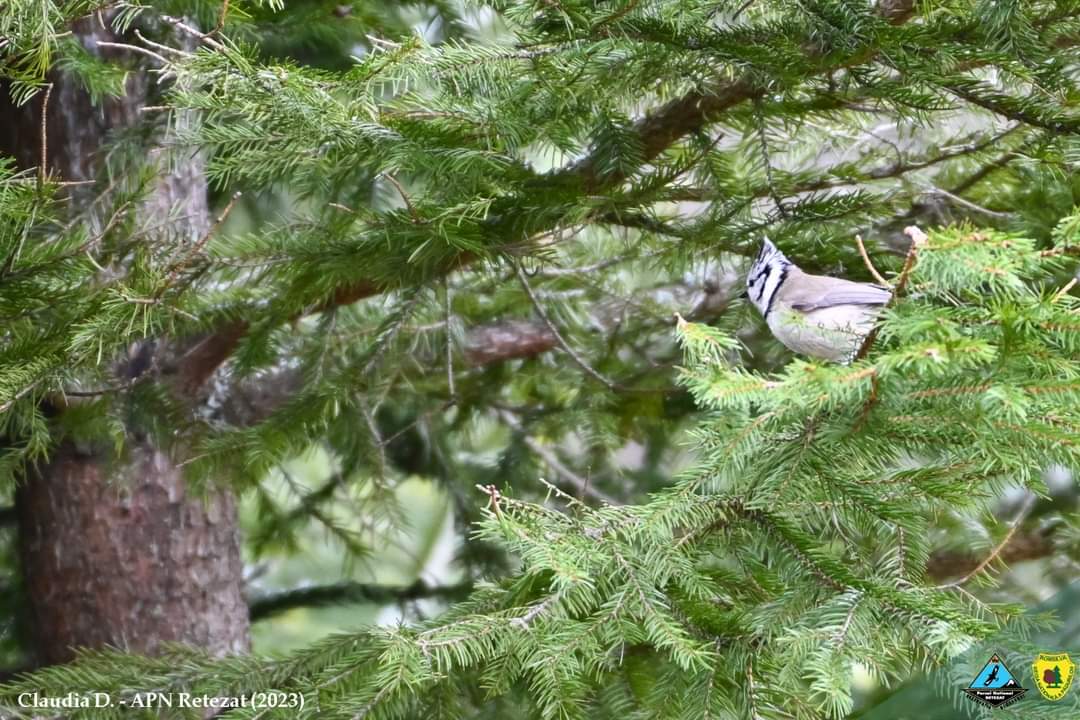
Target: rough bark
[[114, 551], [121, 556]]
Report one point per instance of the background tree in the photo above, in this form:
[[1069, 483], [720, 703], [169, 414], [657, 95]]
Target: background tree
[[458, 258]]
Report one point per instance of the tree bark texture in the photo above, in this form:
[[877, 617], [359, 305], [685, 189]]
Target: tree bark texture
[[114, 552], [119, 555]]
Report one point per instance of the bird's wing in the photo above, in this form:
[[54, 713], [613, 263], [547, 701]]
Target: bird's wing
[[840, 292]]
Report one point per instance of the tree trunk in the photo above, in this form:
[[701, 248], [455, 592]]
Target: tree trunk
[[120, 556], [113, 551]]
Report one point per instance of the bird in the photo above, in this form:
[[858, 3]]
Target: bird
[[815, 315]]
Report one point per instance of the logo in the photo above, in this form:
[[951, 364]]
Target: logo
[[1053, 674], [995, 686]]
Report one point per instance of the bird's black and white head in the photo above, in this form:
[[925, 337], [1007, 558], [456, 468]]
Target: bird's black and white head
[[766, 275]]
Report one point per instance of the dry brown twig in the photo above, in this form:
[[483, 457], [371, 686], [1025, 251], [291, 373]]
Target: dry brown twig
[[220, 21], [870, 265], [918, 240], [1065, 290], [43, 168]]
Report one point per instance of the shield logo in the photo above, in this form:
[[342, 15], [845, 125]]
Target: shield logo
[[1053, 674]]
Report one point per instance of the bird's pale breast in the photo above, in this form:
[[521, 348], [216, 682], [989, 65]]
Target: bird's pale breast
[[833, 333]]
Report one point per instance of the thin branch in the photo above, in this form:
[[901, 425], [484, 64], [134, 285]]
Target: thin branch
[[841, 636], [1063, 124], [580, 361], [204, 38], [741, 9], [621, 12], [378, 443], [20, 394], [163, 48], [597, 266], [534, 612], [1065, 290], [136, 49], [570, 499], [343, 593], [220, 20], [870, 265], [119, 387], [43, 168], [969, 204], [767, 159], [751, 691], [1022, 513], [918, 239]]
